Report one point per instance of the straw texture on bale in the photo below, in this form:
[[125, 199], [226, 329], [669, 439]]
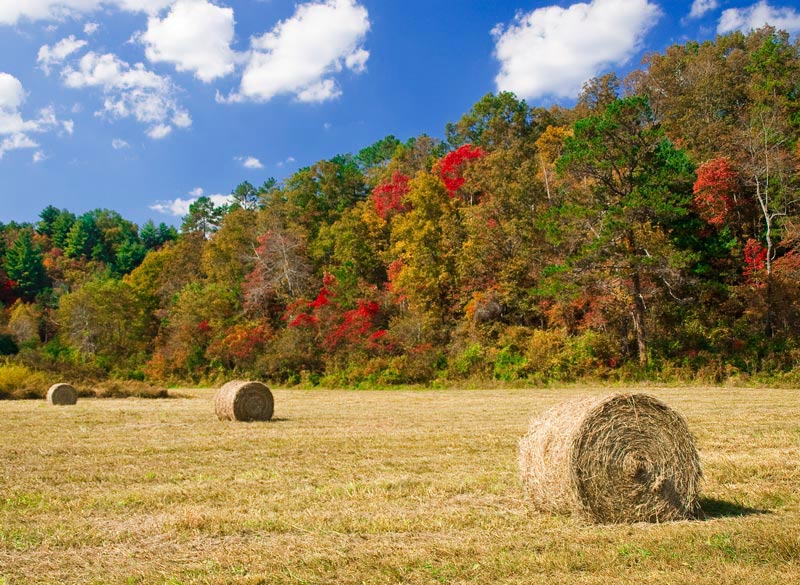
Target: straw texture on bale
[[615, 459], [244, 401], [62, 395]]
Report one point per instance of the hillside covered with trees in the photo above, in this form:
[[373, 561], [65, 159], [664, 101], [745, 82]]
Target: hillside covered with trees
[[649, 232]]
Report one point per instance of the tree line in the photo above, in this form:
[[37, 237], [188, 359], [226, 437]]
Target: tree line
[[649, 232]]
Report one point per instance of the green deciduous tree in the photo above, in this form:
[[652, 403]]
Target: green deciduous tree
[[228, 254], [107, 320]]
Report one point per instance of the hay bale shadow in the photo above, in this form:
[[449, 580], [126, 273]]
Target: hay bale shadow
[[711, 508]]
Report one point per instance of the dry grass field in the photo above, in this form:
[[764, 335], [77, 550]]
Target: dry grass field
[[372, 487]]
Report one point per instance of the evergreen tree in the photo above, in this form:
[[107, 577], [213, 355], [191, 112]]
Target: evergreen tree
[[24, 266], [61, 228], [246, 196], [637, 185], [153, 237], [203, 218], [48, 217], [83, 238]]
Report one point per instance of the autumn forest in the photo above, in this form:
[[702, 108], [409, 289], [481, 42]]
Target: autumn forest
[[650, 232]]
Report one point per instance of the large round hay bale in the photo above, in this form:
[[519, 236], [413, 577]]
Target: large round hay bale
[[244, 401], [615, 459], [62, 394]]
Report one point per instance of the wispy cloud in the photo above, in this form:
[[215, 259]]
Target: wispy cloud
[[12, 11], [702, 7], [15, 130], [55, 55], [130, 91]]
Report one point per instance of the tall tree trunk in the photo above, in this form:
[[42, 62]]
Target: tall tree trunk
[[638, 318], [639, 307], [769, 319]]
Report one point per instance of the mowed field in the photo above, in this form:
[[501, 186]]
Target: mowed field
[[372, 487]]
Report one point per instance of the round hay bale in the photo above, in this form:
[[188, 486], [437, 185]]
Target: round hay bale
[[244, 401], [615, 459], [62, 395]]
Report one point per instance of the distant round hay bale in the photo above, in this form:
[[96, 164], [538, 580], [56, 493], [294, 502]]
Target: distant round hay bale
[[615, 459], [62, 395], [244, 401]]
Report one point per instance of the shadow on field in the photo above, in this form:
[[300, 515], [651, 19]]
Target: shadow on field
[[711, 508]]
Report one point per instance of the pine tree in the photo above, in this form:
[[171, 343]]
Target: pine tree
[[24, 266]]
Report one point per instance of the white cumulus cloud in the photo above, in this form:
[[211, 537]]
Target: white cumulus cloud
[[56, 54], [12, 94], [195, 36], [129, 91], [118, 144], [39, 156], [12, 11], [553, 50], [250, 162], [90, 28], [702, 7], [14, 128], [179, 206], [756, 16], [302, 55]]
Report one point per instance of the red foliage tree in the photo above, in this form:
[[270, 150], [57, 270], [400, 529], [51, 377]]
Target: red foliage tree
[[337, 328], [388, 197], [755, 258], [715, 191], [356, 326], [7, 287], [451, 168]]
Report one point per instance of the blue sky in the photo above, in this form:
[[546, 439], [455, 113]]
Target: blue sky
[[142, 105]]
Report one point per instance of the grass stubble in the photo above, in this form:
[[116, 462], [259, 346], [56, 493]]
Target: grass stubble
[[372, 487]]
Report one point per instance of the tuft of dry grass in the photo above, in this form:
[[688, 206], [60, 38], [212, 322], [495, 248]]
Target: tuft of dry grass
[[373, 487], [128, 389]]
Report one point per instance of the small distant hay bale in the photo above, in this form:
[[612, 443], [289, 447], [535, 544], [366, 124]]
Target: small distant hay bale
[[622, 458], [244, 401], [62, 395]]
